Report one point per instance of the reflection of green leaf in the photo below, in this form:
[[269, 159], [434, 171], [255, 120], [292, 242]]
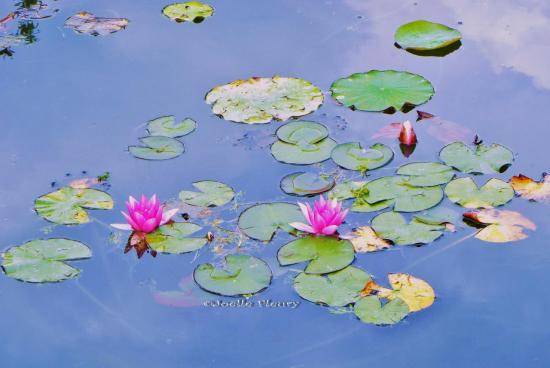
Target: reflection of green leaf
[[306, 184], [303, 154], [212, 193], [157, 148], [67, 205], [325, 253], [353, 156], [173, 238], [426, 174], [167, 126], [241, 275], [370, 310], [89, 24], [380, 90], [338, 289], [261, 221], [191, 11], [260, 100], [393, 226], [43, 260], [480, 160], [465, 192], [423, 35]]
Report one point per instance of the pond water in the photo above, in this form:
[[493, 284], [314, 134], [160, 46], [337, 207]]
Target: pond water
[[74, 103]]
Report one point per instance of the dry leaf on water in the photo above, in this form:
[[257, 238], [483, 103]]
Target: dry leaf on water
[[532, 190], [500, 226]]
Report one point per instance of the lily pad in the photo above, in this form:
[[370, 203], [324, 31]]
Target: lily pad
[[365, 240], [325, 253], [396, 191], [306, 184], [260, 100], [191, 11], [422, 35], [353, 156], [346, 190], [89, 24], [67, 205], [337, 289], [479, 160], [426, 174], [157, 148], [174, 238], [465, 192], [302, 133], [500, 226], [167, 126], [44, 260], [212, 193], [394, 227], [305, 154], [242, 274], [261, 221], [382, 90], [370, 310], [415, 292], [531, 190]]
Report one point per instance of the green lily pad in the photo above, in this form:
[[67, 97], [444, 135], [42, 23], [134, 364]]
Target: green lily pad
[[44, 260], [302, 154], [261, 221], [174, 238], [306, 184], [423, 35], [260, 100], [157, 148], [241, 275], [396, 190], [337, 289], [438, 216], [353, 156], [370, 310], [325, 253], [302, 133], [167, 126], [67, 205], [191, 11], [382, 90], [426, 174], [212, 193], [346, 190], [480, 160], [393, 226], [465, 192]]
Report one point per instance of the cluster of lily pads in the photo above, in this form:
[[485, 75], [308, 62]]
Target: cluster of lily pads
[[161, 143], [328, 277]]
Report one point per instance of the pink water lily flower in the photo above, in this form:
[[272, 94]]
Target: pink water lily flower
[[145, 215], [323, 219], [407, 136]]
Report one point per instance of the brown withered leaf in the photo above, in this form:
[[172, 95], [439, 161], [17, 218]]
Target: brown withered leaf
[[364, 240], [500, 226], [532, 190]]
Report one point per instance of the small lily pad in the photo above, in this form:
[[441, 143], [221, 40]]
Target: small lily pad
[[415, 292], [426, 174], [191, 11], [393, 226], [302, 133], [89, 24], [167, 126], [44, 260], [481, 159], [353, 156], [306, 184], [157, 148], [422, 35], [325, 253], [465, 192], [337, 289], [370, 310], [260, 100], [302, 154], [174, 238], [67, 205], [261, 221], [242, 274], [382, 90], [212, 193]]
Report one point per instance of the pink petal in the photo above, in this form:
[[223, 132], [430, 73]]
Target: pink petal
[[122, 226], [149, 225], [302, 227], [329, 230], [305, 211], [131, 221], [167, 216]]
